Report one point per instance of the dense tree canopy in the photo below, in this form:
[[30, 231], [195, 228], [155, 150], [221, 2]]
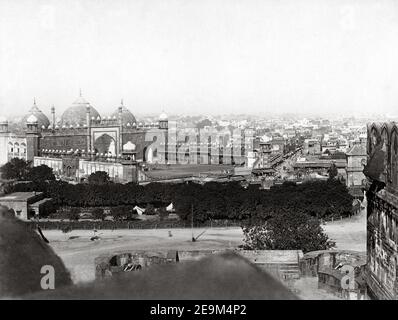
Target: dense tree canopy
[[212, 200], [332, 171], [98, 213], [99, 177], [15, 169], [20, 169], [40, 173], [284, 230]]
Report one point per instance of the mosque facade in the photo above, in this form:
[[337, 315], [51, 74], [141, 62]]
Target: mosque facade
[[82, 142]]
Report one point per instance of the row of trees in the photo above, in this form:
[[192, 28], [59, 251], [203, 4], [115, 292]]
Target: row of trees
[[284, 217], [22, 170], [118, 213], [320, 199]]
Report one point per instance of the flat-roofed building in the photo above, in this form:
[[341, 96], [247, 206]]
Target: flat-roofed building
[[356, 160], [25, 204], [312, 147]]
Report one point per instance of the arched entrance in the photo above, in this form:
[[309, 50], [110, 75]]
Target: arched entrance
[[105, 144], [148, 154]]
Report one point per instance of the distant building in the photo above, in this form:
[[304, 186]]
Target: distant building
[[278, 145], [356, 160], [264, 160], [381, 172], [11, 145], [311, 147], [308, 165]]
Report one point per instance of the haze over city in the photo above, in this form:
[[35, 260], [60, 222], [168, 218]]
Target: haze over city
[[209, 57]]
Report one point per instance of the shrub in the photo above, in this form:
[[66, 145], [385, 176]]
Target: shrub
[[74, 214], [150, 210], [98, 213]]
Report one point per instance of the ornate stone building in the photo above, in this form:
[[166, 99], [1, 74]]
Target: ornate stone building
[[82, 142], [381, 172], [12, 145]]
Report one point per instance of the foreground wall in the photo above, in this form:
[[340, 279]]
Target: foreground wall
[[382, 198]]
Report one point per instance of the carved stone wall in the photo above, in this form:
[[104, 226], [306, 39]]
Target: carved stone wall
[[382, 198]]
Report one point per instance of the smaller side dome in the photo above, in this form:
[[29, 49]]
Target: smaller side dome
[[42, 119], [163, 116], [127, 116], [3, 120]]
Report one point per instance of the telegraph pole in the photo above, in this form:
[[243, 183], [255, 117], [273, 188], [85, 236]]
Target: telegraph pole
[[193, 239]]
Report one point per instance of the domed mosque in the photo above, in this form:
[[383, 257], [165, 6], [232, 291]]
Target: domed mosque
[[42, 119], [82, 142], [76, 113], [127, 117]]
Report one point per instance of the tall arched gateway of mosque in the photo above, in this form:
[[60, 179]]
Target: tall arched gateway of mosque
[[105, 144]]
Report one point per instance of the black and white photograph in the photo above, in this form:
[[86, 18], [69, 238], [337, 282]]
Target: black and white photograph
[[214, 151]]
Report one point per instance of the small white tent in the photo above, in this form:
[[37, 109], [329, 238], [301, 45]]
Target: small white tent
[[139, 210], [170, 208]]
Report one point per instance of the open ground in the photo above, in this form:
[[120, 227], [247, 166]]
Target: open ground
[[78, 251]]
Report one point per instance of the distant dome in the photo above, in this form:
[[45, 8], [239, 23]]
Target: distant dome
[[3, 120], [77, 112], [41, 118], [163, 116], [129, 146], [32, 119], [127, 116]]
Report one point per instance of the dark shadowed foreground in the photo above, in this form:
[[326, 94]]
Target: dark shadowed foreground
[[225, 276], [22, 255]]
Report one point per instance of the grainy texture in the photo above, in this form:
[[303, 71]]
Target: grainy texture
[[226, 276], [22, 255]]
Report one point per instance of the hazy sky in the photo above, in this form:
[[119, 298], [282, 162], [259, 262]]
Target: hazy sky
[[200, 56]]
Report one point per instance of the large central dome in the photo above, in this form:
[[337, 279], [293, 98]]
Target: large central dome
[[76, 114]]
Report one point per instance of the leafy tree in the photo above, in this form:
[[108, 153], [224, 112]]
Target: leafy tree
[[282, 230], [15, 169], [99, 178], [332, 171], [40, 173], [118, 213], [163, 213], [74, 214], [150, 210]]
